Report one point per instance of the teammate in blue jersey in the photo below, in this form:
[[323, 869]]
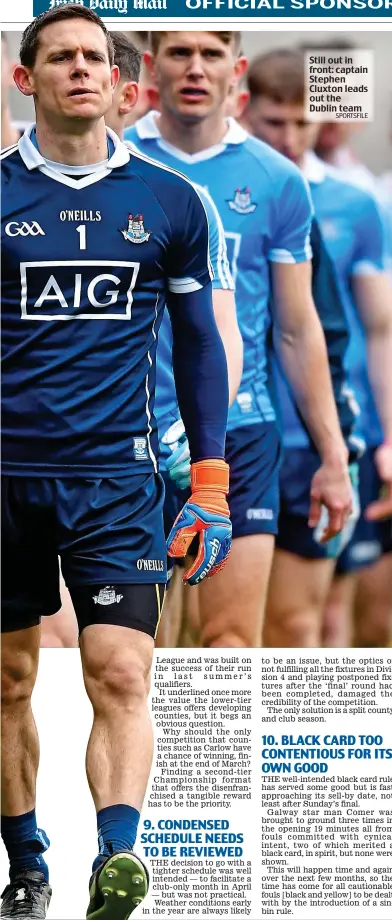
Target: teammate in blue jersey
[[101, 239], [265, 210], [353, 234], [174, 448]]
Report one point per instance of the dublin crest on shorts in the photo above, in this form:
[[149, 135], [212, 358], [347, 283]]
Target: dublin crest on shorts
[[136, 232], [242, 202]]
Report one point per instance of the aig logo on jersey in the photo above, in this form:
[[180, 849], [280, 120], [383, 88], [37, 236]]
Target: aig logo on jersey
[[77, 290], [14, 228]]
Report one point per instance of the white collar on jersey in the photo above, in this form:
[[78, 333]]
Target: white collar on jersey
[[314, 169], [33, 159], [147, 128]]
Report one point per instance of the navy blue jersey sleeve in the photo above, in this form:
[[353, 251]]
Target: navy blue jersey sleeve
[[188, 261], [200, 372]]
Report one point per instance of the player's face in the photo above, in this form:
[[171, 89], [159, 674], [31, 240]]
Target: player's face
[[193, 72], [332, 136], [72, 76], [283, 126]]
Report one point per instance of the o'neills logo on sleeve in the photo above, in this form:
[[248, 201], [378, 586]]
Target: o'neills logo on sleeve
[[150, 565]]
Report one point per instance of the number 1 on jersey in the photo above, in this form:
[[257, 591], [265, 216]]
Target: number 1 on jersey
[[83, 236]]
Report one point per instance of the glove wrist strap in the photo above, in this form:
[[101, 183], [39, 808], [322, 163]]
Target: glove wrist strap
[[212, 475]]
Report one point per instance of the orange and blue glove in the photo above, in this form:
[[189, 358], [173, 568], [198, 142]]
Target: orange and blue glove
[[204, 516]]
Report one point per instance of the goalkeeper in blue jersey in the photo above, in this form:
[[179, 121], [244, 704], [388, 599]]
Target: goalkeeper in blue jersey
[[96, 240], [353, 232], [266, 213]]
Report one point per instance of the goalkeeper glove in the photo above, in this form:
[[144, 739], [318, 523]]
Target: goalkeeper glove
[[178, 462], [206, 517]]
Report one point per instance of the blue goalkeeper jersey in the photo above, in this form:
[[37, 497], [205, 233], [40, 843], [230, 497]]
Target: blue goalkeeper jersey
[[86, 266], [354, 235], [265, 209]]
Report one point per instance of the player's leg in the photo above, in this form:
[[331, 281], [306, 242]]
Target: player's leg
[[117, 598], [232, 603], [301, 571], [373, 605], [337, 630], [297, 594], [29, 590], [363, 550], [61, 630], [170, 625], [190, 617], [373, 602]]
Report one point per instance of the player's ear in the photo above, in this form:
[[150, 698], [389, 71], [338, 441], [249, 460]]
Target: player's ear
[[149, 61], [115, 76], [241, 102], [23, 77], [240, 67], [128, 97]]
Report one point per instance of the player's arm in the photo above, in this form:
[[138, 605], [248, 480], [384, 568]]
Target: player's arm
[[301, 345], [223, 296], [178, 461], [372, 290], [200, 372]]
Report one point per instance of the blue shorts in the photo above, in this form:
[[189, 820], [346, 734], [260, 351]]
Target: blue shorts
[[294, 534], [371, 539], [109, 536], [253, 454]]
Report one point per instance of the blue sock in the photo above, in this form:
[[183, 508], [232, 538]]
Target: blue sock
[[24, 843], [117, 830]]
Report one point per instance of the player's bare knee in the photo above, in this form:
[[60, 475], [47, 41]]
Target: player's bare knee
[[121, 679], [18, 674], [229, 638]]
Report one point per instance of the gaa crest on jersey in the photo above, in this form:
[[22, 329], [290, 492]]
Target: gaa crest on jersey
[[136, 232], [242, 202]]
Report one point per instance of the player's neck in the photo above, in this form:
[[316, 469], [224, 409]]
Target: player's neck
[[75, 149], [192, 138]]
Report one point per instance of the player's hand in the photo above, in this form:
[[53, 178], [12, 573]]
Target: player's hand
[[331, 488], [206, 517], [178, 462], [382, 508]]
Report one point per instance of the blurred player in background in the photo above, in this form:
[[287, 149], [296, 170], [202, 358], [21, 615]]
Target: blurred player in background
[[267, 224], [353, 231], [79, 442], [334, 141], [174, 450]]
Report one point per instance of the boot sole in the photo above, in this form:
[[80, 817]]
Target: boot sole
[[123, 884]]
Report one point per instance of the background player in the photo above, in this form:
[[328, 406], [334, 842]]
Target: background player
[[194, 73], [79, 436], [354, 236]]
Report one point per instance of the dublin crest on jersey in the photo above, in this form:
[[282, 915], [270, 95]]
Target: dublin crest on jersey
[[136, 232], [242, 202]]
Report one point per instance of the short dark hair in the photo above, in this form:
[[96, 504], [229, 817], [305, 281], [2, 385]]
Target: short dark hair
[[227, 38], [30, 37], [126, 56], [279, 75]]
